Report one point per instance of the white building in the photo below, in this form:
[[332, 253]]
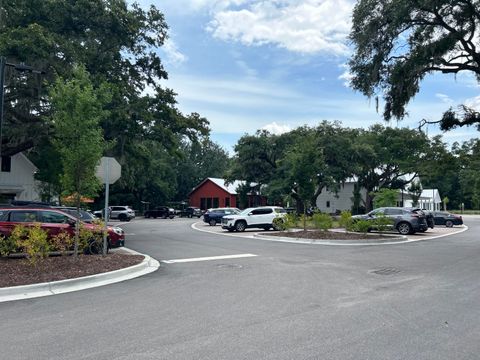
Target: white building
[[331, 202], [430, 200], [17, 179]]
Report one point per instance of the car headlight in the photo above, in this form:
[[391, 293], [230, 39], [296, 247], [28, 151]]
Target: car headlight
[[117, 230]]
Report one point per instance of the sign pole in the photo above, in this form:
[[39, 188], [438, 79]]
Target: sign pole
[[106, 214]]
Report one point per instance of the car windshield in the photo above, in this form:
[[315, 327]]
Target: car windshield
[[246, 211]]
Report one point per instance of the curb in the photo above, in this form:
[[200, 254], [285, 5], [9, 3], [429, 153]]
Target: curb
[[393, 240], [397, 239], [21, 292]]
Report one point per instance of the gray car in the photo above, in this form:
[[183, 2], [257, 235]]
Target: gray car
[[404, 220]]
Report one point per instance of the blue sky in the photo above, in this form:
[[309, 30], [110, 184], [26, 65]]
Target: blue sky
[[247, 65]]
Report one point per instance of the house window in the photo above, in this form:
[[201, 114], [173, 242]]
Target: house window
[[227, 202], [215, 202], [6, 163], [328, 204]]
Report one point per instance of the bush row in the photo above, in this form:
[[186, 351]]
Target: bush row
[[37, 244]]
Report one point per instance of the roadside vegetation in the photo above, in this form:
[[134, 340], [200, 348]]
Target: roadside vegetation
[[164, 153]]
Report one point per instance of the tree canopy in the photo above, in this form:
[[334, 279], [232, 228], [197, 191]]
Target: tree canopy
[[397, 43], [117, 42]]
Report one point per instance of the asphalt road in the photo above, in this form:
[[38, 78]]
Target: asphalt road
[[291, 301]]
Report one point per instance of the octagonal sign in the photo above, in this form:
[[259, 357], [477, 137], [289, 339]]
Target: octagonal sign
[[108, 170]]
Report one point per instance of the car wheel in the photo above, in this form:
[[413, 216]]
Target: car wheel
[[147, 216], [212, 222], [277, 224], [449, 223], [190, 216], [266, 228], [240, 226], [404, 228], [122, 217], [171, 216]]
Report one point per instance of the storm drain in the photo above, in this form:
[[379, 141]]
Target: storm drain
[[386, 271]]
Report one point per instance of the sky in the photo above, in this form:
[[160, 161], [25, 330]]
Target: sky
[[276, 65]]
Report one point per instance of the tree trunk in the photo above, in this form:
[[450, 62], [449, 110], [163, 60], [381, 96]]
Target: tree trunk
[[368, 201], [77, 228]]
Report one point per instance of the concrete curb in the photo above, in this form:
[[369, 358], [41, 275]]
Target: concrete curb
[[393, 240], [400, 239], [147, 266], [397, 239]]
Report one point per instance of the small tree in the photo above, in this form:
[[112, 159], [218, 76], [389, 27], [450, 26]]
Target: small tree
[[415, 190], [385, 197], [301, 165], [77, 111], [445, 202]]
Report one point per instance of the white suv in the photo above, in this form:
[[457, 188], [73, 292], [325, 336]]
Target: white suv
[[122, 213], [260, 217]]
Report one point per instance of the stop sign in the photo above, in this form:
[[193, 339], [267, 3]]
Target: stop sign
[[108, 170]]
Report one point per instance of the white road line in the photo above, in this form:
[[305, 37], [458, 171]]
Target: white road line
[[223, 257]]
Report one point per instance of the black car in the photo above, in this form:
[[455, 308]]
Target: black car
[[84, 215], [191, 212], [446, 218], [160, 212], [214, 216], [404, 220]]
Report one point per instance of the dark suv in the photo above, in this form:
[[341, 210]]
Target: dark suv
[[404, 220], [191, 212], [214, 216], [161, 212]]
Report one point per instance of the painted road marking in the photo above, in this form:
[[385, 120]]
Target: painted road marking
[[223, 257]]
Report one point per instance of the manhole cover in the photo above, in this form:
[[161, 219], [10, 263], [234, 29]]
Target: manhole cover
[[386, 271], [229, 266]]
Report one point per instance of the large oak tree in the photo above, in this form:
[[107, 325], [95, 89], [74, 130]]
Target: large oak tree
[[399, 42]]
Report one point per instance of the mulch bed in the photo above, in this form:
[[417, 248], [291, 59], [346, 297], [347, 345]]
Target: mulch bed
[[15, 272], [326, 235]]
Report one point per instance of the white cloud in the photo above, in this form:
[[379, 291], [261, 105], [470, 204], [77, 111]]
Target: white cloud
[[473, 103], [173, 55], [277, 129], [308, 27], [346, 76], [445, 98]]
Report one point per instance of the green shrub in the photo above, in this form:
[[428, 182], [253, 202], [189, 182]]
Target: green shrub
[[346, 220], [280, 224], [382, 223], [36, 243], [91, 240], [62, 242], [290, 221], [361, 226], [8, 245], [322, 221]]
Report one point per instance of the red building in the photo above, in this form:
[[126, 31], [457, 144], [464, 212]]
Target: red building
[[214, 193]]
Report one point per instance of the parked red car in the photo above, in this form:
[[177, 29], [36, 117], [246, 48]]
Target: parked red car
[[53, 221]]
